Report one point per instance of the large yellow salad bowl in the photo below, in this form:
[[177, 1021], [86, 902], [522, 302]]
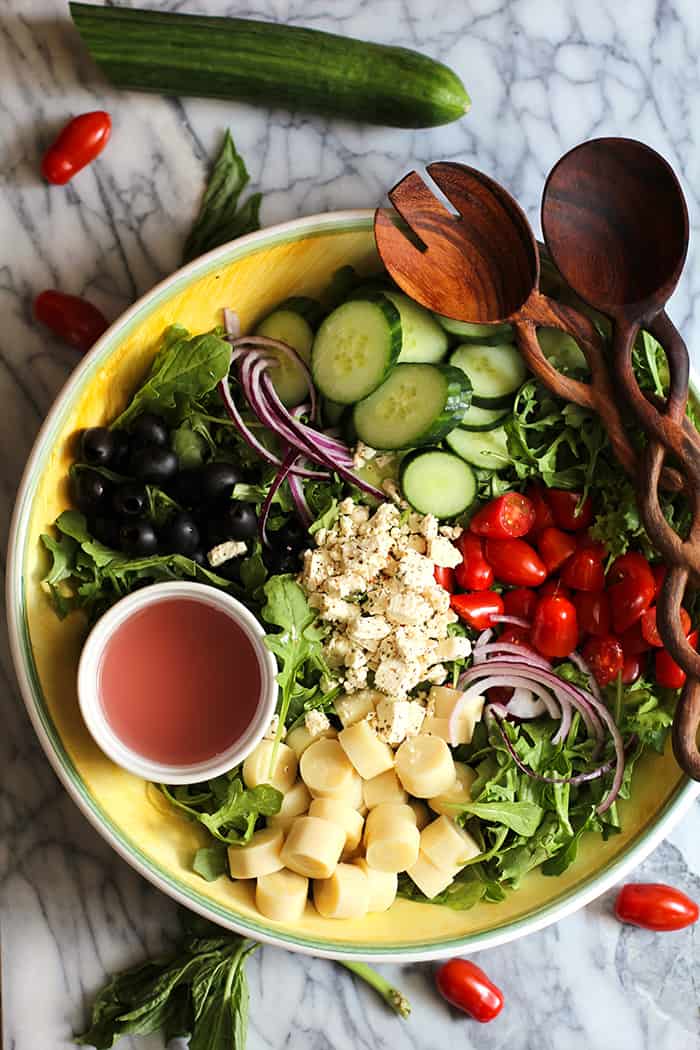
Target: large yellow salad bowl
[[251, 275]]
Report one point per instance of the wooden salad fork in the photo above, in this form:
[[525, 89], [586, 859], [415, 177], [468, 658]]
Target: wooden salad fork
[[481, 264]]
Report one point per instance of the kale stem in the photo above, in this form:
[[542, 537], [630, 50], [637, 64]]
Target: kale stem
[[392, 996]]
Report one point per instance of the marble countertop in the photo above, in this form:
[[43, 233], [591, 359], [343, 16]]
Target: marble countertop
[[543, 75]]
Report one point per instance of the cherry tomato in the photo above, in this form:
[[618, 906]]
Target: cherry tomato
[[555, 548], [632, 640], [650, 631], [80, 141], [515, 562], [516, 636], [544, 518], [666, 671], [632, 590], [554, 587], [446, 578], [520, 602], [507, 517], [473, 573], [659, 574], [567, 513], [605, 658], [593, 611], [74, 320], [499, 694], [654, 906], [631, 669], [584, 570], [477, 609], [467, 987], [555, 627]]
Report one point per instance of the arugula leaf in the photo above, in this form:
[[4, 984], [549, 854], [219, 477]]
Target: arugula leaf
[[186, 370], [211, 862], [220, 219], [188, 446], [62, 551], [228, 810], [521, 817]]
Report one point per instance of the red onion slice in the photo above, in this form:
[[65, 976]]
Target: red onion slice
[[517, 621], [578, 778], [278, 480]]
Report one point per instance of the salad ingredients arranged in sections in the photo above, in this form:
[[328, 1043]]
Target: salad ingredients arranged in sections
[[453, 579]]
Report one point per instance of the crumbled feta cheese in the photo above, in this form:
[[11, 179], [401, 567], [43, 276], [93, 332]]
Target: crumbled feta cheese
[[337, 610], [316, 722], [408, 608], [393, 491], [224, 552], [395, 676], [368, 631], [363, 454], [443, 552], [456, 648], [397, 719], [271, 731]]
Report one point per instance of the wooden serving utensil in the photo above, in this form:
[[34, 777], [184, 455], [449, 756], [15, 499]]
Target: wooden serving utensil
[[481, 265], [616, 225]]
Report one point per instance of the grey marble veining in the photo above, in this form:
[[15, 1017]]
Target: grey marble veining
[[543, 75]]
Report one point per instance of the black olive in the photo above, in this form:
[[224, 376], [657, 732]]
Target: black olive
[[148, 430], [138, 538], [154, 464], [186, 487], [92, 491], [122, 451], [200, 558], [292, 535], [217, 482], [181, 534], [130, 499], [230, 570], [106, 530], [97, 446], [240, 521], [281, 560]]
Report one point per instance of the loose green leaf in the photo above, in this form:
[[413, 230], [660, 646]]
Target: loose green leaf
[[228, 810], [521, 817], [211, 862]]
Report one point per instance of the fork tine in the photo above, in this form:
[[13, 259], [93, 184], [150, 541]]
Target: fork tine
[[396, 248]]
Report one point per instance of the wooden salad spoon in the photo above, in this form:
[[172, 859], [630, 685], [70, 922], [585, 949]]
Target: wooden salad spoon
[[616, 225], [482, 265]]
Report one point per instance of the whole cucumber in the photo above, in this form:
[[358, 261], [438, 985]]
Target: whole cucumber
[[275, 65]]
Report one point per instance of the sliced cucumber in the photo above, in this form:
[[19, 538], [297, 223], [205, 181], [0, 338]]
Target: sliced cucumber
[[308, 308], [355, 349], [290, 328], [331, 412], [496, 372], [416, 405], [481, 448], [480, 333], [561, 350], [422, 338], [477, 418], [437, 482]]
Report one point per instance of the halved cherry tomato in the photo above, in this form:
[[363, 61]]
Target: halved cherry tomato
[[593, 611], [655, 906], [445, 577], [515, 562], [80, 141], [631, 669], [666, 671], [567, 513], [605, 658], [74, 320], [632, 640], [659, 574], [478, 608], [544, 518], [552, 587], [632, 590], [507, 517], [473, 573], [467, 987], [584, 570], [520, 602], [650, 631], [555, 627], [555, 547]]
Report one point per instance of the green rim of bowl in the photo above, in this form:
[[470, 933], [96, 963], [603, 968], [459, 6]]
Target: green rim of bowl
[[23, 657]]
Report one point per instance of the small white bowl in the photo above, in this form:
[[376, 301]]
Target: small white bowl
[[93, 713]]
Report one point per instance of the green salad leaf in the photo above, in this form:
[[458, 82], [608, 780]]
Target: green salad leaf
[[220, 219], [228, 810]]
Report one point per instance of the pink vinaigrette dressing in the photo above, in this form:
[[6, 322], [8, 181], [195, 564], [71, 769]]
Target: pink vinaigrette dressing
[[179, 682]]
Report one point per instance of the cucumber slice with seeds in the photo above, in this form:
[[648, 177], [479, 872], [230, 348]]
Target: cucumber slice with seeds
[[479, 333], [487, 449], [422, 338], [496, 372], [417, 405], [438, 482], [291, 328], [477, 418], [355, 349]]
